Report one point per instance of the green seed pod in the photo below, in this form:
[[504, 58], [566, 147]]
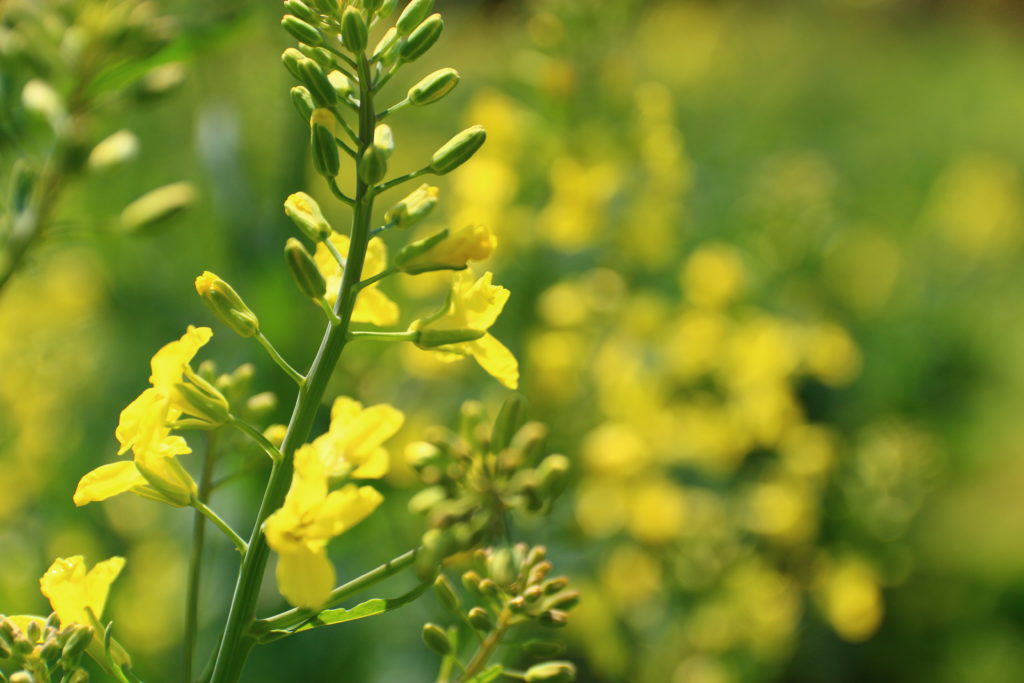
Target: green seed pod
[[301, 10], [480, 619], [432, 339], [458, 150], [422, 38], [353, 29], [543, 648], [373, 165], [414, 207], [325, 150], [314, 78], [446, 593], [413, 14], [303, 102], [307, 216], [301, 31], [225, 303], [551, 672], [433, 87], [553, 618], [303, 269], [156, 206], [341, 84], [436, 639]]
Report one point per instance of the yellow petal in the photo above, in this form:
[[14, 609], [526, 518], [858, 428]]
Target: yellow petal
[[496, 359], [375, 467], [345, 508], [71, 589], [374, 307], [106, 481], [305, 577], [169, 362]]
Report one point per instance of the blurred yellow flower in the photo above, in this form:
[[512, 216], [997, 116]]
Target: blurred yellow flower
[[310, 517], [72, 591], [713, 276], [851, 599], [475, 306], [352, 444], [372, 305]]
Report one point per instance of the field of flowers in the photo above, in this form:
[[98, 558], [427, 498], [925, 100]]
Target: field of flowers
[[767, 297]]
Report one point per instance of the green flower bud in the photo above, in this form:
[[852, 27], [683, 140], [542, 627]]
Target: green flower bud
[[458, 150], [301, 10], [565, 600], [433, 87], [385, 44], [436, 639], [422, 38], [328, 7], [413, 14], [262, 404], [517, 604], [301, 30], [353, 29], [210, 407], [156, 206], [551, 672], [385, 8], [303, 102], [303, 269], [427, 499], [40, 98], [373, 165], [488, 588], [307, 216], [50, 650], [384, 139], [114, 149], [414, 207], [445, 592], [321, 56], [34, 631], [543, 648], [501, 567], [533, 594], [556, 584], [432, 339], [538, 572], [341, 84], [176, 491], [471, 582], [314, 78], [290, 58], [480, 619], [553, 618], [554, 475], [325, 150], [224, 301]]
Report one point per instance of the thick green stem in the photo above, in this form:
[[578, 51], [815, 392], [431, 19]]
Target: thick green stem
[[237, 642], [196, 558]]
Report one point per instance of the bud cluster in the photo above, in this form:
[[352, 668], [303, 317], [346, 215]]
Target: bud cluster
[[43, 651], [476, 477], [508, 587]]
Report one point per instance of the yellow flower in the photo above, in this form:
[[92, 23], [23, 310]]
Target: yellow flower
[[372, 305], [474, 306], [352, 444], [71, 590], [447, 250], [310, 517]]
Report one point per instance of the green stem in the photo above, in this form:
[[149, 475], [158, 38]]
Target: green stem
[[240, 545], [384, 187], [393, 108], [328, 311], [486, 649], [376, 278], [196, 558], [279, 359], [373, 335], [296, 616], [254, 434], [338, 194], [237, 642]]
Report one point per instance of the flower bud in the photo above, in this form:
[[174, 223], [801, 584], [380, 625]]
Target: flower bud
[[432, 339], [353, 29], [34, 631], [211, 407], [301, 30], [114, 149], [172, 485], [262, 404], [565, 600], [433, 87], [556, 584], [384, 139], [414, 207], [446, 250], [156, 206], [314, 78], [538, 572], [385, 8], [436, 639], [543, 648], [78, 676], [325, 150], [488, 588], [301, 10], [445, 592], [458, 150], [303, 269], [413, 14], [554, 475], [307, 216], [224, 301], [480, 619], [551, 672], [385, 45], [303, 102], [553, 618], [373, 165], [422, 38], [517, 604], [50, 650], [290, 58], [40, 98], [341, 84], [501, 567], [471, 582]]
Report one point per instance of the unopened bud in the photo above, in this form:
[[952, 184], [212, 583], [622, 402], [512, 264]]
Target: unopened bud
[[50, 650], [517, 604], [553, 618], [416, 206], [156, 206], [489, 588], [501, 568], [307, 216], [302, 101], [533, 594], [114, 149], [385, 46], [262, 404], [325, 150], [34, 631], [551, 672], [422, 38], [39, 97], [565, 600], [22, 677], [413, 14], [543, 648], [446, 593], [302, 31], [225, 303], [290, 58], [554, 475], [373, 165], [314, 78], [458, 150], [303, 269], [471, 582], [556, 584], [341, 84], [433, 87], [480, 619], [301, 10], [353, 29], [436, 639], [210, 407], [538, 572], [385, 8]]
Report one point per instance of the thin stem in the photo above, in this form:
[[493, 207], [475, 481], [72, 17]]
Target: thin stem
[[279, 359], [254, 434], [486, 649], [240, 545], [342, 261], [373, 335], [384, 187], [348, 150], [344, 124], [336, 191], [328, 311], [296, 616], [393, 108], [237, 642], [196, 557], [376, 278]]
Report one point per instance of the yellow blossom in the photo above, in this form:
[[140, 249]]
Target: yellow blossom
[[372, 305], [352, 444], [475, 306], [301, 528], [447, 250], [72, 591]]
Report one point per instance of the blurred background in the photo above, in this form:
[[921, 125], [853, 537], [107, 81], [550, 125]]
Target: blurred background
[[767, 292]]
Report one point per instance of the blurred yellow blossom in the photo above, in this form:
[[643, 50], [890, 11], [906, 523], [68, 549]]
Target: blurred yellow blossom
[[712, 276], [372, 305], [851, 599]]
